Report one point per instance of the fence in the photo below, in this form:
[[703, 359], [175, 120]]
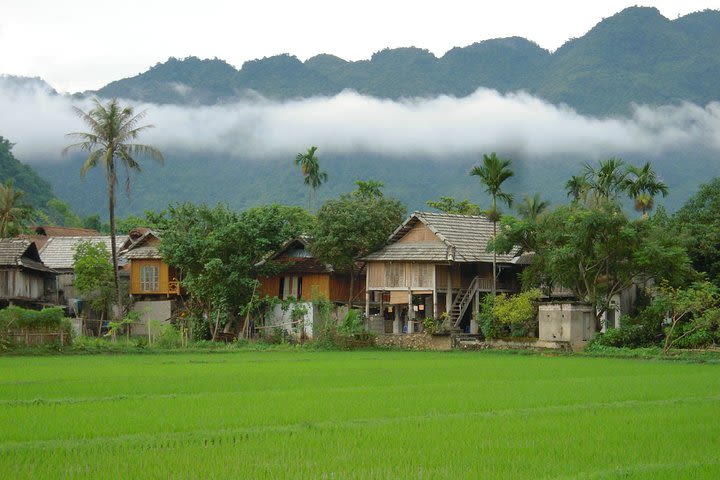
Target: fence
[[29, 338]]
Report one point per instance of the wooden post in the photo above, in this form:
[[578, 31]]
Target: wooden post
[[411, 313], [448, 294], [367, 304], [397, 324], [436, 310]]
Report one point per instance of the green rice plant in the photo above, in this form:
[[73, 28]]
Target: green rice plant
[[358, 414]]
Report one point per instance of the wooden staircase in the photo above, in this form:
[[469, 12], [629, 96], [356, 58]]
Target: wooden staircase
[[462, 301]]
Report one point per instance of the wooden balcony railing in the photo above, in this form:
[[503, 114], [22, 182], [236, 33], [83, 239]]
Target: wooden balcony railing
[[174, 287]]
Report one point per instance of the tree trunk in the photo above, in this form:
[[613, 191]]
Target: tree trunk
[[494, 282], [113, 242], [217, 323]]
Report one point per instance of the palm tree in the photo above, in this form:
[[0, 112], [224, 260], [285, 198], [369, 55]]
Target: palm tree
[[492, 173], [532, 207], [13, 214], [608, 181], [577, 187], [312, 175], [112, 129], [642, 184]]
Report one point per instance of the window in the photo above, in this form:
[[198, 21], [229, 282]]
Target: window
[[149, 278], [290, 286]]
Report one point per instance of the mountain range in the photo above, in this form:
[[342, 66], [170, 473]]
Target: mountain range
[[634, 57]]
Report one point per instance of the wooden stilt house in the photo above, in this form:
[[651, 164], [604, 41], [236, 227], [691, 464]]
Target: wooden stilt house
[[436, 264]]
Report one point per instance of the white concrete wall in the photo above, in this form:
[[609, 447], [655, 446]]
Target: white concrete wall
[[283, 318], [151, 310], [566, 322]]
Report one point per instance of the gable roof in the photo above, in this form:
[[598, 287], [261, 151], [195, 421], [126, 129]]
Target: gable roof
[[59, 252], [136, 247], [463, 238], [294, 257], [18, 252]]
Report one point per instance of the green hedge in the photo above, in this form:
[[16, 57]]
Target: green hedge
[[45, 320]]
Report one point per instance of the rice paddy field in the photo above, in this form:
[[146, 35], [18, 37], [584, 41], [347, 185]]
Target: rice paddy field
[[368, 414]]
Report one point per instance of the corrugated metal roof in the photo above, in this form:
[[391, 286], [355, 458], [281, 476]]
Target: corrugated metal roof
[[18, 252], [58, 252], [464, 239]]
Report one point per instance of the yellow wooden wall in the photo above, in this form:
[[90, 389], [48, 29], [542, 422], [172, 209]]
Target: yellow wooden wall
[[163, 277]]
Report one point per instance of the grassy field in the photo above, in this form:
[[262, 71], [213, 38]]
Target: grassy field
[[368, 414]]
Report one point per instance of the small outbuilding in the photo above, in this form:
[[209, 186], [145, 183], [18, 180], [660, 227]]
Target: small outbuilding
[[568, 324], [24, 279]]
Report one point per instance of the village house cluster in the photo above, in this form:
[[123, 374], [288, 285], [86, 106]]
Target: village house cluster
[[434, 265]]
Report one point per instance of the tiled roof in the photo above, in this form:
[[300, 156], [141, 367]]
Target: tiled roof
[[54, 231], [142, 252], [58, 252], [464, 239], [17, 252], [137, 248]]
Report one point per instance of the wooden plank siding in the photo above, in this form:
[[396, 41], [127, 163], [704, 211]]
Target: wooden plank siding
[[400, 275], [420, 233], [163, 277], [21, 284], [331, 286]]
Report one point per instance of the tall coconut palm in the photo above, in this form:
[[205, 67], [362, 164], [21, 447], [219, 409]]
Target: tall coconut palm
[[642, 184], [492, 174], [13, 213], [312, 175], [532, 207], [113, 127]]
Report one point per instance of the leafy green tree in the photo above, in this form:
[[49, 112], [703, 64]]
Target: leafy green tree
[[113, 128], [450, 205], [14, 214], [698, 222], [312, 175], [492, 174], [697, 306], [531, 207], [60, 213], [154, 220], [597, 252], [217, 251], [643, 185], [93, 268], [354, 225]]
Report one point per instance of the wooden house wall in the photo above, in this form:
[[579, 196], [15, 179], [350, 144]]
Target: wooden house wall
[[163, 277], [334, 287], [420, 234], [441, 276], [400, 275], [269, 286], [17, 283]]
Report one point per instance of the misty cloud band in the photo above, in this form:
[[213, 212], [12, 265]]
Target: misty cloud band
[[37, 121]]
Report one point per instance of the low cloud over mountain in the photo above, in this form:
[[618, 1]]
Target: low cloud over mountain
[[37, 120]]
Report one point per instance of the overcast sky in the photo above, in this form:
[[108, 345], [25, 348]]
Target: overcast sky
[[77, 45]]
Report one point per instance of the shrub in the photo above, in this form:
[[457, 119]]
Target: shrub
[[509, 315], [488, 324], [48, 319]]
